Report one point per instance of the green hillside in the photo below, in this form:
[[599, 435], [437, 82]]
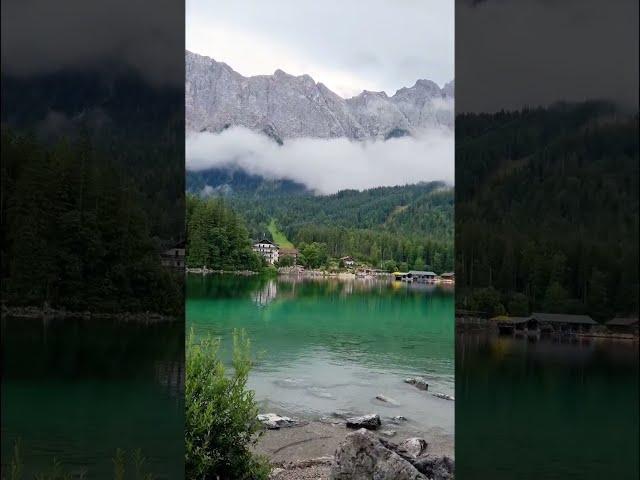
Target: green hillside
[[547, 210]]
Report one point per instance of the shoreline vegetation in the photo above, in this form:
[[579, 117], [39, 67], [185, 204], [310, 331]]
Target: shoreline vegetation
[[46, 312], [81, 235], [360, 233], [228, 437]]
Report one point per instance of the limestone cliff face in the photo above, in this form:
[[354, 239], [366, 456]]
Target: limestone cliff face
[[285, 106]]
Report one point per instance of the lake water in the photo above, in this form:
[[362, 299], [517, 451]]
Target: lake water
[[78, 390], [548, 409], [328, 346]]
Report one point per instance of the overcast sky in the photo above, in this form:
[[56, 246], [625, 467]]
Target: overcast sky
[[349, 45], [511, 53], [44, 36]]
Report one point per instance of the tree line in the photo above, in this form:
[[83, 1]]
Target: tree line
[[402, 227], [217, 237], [547, 211], [75, 231]]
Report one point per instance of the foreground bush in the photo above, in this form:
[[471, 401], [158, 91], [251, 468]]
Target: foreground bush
[[220, 423]]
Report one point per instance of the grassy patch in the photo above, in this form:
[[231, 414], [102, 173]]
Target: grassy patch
[[278, 237]]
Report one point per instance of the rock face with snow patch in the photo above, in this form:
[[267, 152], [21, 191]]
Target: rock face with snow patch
[[286, 106]]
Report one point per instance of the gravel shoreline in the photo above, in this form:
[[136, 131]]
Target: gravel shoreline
[[306, 451]]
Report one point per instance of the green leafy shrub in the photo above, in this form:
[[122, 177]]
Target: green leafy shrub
[[220, 423]]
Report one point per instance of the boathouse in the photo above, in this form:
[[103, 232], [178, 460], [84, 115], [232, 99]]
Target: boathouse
[[627, 325], [400, 276], [447, 277], [508, 325], [564, 323], [421, 276]]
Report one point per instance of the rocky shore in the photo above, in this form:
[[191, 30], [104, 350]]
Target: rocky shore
[[338, 448]]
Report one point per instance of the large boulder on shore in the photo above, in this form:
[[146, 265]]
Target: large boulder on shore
[[363, 456], [371, 422]]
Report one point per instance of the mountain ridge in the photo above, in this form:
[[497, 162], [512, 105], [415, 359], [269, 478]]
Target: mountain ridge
[[288, 106]]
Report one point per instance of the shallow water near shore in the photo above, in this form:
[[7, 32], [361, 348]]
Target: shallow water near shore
[[557, 408], [76, 390], [327, 347]]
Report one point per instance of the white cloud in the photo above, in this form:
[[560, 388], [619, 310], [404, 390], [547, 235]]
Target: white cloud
[[328, 166]]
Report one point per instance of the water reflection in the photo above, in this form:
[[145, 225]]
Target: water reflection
[[79, 389], [327, 344], [572, 402]]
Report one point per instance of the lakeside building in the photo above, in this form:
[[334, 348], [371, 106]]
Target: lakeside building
[[448, 277], [624, 325], [422, 276], [268, 250], [549, 323], [348, 261], [564, 323], [289, 253], [510, 325], [174, 257]]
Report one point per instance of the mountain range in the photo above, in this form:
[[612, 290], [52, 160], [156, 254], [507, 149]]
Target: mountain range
[[286, 106]]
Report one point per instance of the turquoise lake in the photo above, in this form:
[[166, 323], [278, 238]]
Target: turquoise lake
[[558, 409], [77, 390], [329, 346]]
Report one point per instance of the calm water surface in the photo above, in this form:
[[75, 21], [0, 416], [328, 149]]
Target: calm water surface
[[329, 346], [546, 410], [78, 390]]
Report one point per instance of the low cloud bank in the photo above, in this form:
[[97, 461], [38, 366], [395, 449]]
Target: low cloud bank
[[327, 165]]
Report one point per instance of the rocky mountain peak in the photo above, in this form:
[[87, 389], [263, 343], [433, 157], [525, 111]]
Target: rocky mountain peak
[[287, 106]]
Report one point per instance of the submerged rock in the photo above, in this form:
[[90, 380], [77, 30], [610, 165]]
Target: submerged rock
[[419, 383], [388, 433], [371, 421], [386, 399], [444, 396], [399, 418], [362, 456], [321, 393], [274, 422], [291, 383]]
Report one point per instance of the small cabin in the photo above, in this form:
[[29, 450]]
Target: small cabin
[[628, 325], [447, 277], [174, 257], [292, 253]]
